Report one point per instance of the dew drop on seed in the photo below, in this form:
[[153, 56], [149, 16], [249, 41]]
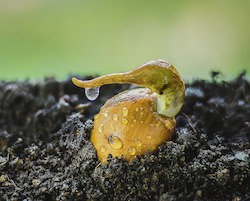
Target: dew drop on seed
[[137, 142], [148, 137], [124, 121], [102, 148], [106, 113], [131, 150], [101, 128], [158, 123], [112, 127], [169, 125], [155, 114], [115, 142], [115, 117], [124, 111], [92, 93]]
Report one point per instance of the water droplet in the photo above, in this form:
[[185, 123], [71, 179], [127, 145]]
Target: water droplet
[[158, 123], [115, 142], [92, 93], [115, 117], [142, 122], [96, 116], [112, 127], [103, 149], [155, 114], [101, 128], [131, 150], [169, 125], [106, 113], [141, 108], [124, 121], [148, 136], [137, 142], [137, 109], [124, 111]]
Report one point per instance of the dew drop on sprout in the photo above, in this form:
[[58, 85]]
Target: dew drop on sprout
[[92, 93]]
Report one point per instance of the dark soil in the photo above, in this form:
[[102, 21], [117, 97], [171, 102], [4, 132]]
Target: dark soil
[[46, 154]]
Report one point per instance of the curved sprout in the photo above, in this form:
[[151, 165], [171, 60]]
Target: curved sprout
[[159, 76]]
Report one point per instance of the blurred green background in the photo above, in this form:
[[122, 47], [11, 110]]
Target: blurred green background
[[57, 37]]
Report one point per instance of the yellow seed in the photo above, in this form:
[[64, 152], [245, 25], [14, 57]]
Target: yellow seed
[[115, 117], [124, 121], [131, 150], [106, 113], [101, 128], [112, 127], [139, 109], [115, 142], [96, 116], [137, 142], [124, 111], [103, 149]]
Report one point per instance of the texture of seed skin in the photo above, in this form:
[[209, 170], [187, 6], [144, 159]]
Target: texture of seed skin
[[141, 137]]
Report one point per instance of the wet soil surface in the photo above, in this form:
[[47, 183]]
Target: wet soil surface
[[46, 153]]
